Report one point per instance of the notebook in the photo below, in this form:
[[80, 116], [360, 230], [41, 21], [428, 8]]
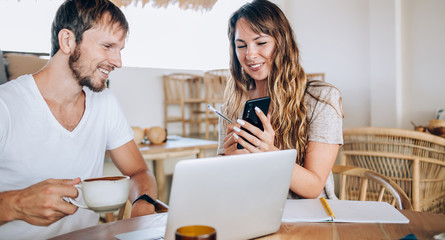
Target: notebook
[[312, 210], [241, 196]]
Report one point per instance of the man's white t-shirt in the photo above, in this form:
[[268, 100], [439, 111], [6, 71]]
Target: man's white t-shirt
[[35, 147]]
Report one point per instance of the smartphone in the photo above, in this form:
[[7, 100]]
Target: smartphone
[[249, 114]]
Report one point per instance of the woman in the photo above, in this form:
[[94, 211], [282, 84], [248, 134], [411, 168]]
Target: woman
[[303, 115]]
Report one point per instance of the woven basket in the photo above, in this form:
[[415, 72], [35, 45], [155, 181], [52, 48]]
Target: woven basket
[[414, 160], [437, 127]]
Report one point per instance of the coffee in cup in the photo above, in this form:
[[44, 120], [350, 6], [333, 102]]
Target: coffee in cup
[[103, 194]]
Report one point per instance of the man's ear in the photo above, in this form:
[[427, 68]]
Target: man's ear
[[67, 41]]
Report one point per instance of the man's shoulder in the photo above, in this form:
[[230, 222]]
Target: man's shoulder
[[16, 86], [24, 79]]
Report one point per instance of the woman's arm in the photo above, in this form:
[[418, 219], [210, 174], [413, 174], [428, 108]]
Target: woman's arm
[[324, 116], [309, 180]]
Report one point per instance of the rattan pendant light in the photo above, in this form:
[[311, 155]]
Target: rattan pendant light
[[203, 5]]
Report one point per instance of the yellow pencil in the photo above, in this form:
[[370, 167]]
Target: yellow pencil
[[327, 208]]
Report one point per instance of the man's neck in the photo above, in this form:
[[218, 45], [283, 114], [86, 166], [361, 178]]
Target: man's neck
[[62, 93], [56, 83]]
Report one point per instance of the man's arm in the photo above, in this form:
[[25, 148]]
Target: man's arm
[[40, 204], [130, 162]]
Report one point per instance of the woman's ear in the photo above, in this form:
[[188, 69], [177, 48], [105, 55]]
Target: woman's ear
[[67, 41]]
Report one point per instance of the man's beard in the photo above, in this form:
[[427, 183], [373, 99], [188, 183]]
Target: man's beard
[[75, 67]]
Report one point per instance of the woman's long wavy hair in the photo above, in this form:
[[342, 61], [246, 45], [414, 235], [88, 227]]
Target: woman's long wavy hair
[[286, 83]]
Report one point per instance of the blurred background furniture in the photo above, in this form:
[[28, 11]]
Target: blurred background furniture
[[3, 75], [414, 160], [215, 84], [183, 90], [14, 64], [315, 76], [364, 178]]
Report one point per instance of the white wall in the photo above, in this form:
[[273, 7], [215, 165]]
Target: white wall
[[140, 93], [423, 59], [385, 75], [387, 57], [333, 37]]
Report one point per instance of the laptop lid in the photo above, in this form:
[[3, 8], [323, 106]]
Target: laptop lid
[[241, 196]]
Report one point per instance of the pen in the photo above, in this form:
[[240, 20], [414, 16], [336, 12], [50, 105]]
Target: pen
[[327, 208], [219, 114]]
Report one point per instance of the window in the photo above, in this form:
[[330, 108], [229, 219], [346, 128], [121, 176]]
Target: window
[[159, 37]]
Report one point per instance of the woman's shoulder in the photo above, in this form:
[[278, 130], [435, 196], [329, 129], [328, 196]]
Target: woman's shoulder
[[321, 90], [321, 95]]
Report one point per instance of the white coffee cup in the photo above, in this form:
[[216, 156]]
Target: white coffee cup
[[103, 194]]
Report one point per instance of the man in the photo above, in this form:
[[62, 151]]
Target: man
[[55, 126]]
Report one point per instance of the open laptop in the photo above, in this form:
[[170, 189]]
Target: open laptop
[[241, 196]]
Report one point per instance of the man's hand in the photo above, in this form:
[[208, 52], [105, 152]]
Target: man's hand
[[40, 204]]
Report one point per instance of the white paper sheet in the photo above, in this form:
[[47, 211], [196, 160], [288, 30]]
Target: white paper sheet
[[311, 210], [155, 233]]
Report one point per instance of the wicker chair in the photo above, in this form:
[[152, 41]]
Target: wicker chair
[[414, 160], [384, 184], [215, 84], [183, 90]]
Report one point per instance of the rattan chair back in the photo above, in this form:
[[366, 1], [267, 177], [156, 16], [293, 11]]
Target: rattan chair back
[[367, 178], [183, 90], [215, 85], [413, 160]]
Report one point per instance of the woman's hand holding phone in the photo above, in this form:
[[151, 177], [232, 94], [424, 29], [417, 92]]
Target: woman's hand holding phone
[[251, 108], [256, 141]]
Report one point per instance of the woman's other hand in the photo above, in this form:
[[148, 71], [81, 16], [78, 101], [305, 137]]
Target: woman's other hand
[[231, 140]]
